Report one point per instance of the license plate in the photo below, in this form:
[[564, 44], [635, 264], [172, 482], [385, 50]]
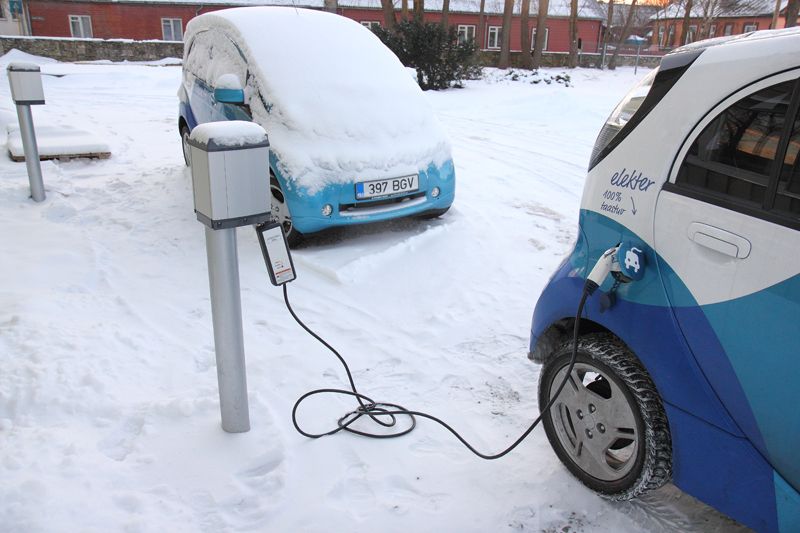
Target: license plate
[[376, 188]]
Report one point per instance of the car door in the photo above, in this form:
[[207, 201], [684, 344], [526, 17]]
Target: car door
[[727, 234]]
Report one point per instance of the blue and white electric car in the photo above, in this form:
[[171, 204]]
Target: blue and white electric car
[[353, 139], [690, 374]]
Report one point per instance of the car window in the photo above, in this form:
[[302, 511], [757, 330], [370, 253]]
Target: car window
[[734, 157], [213, 54], [787, 197]]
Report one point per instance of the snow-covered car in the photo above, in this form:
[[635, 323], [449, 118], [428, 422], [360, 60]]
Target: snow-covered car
[[690, 373], [353, 139]]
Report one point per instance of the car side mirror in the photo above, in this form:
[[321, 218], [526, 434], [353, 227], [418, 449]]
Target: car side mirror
[[228, 90]]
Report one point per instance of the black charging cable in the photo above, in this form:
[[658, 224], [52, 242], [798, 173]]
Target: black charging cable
[[386, 414]]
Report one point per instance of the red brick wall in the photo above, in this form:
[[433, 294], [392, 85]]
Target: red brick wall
[[738, 24], [109, 21], [143, 21], [558, 40]]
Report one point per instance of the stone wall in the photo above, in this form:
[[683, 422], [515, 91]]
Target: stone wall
[[559, 59], [64, 49], [92, 49]]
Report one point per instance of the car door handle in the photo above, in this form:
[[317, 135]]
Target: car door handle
[[719, 240]]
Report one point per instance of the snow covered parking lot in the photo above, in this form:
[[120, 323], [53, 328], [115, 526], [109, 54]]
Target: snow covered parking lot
[[109, 419]]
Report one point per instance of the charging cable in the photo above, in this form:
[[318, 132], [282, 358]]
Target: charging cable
[[387, 414]]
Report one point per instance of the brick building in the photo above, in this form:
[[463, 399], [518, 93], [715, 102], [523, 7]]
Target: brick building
[[710, 19], [166, 19]]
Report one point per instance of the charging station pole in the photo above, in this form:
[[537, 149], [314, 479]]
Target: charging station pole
[[26, 90], [230, 181]]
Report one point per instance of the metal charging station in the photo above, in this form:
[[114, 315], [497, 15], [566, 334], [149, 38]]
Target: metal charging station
[[26, 90], [230, 178]]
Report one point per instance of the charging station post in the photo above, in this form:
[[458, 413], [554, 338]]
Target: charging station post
[[230, 181], [26, 90]]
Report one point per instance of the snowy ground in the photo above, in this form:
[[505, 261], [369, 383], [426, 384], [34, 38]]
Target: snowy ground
[[109, 418]]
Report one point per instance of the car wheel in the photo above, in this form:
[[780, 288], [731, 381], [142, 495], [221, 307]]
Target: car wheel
[[187, 157], [281, 214], [436, 213], [608, 425]]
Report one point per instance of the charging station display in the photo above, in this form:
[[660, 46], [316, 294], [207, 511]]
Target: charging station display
[[276, 253]]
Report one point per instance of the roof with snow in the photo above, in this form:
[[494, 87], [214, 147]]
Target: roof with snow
[[721, 9], [587, 9]]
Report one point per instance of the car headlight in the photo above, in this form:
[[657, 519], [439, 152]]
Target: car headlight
[[621, 116]]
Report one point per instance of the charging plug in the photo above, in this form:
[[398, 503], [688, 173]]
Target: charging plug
[[276, 254], [603, 267]]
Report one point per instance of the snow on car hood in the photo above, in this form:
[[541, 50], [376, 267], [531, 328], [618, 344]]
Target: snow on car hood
[[337, 104]]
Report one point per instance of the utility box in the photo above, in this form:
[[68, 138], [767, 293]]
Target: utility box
[[26, 83], [230, 174]]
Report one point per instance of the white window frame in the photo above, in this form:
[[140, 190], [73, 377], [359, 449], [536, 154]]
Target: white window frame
[[753, 26], [84, 22], [3, 10], [662, 32], [370, 24], [172, 22], [466, 32], [692, 37], [712, 31], [495, 33], [727, 29], [546, 38]]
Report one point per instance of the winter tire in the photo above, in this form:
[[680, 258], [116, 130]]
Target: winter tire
[[608, 425], [281, 214], [187, 157]]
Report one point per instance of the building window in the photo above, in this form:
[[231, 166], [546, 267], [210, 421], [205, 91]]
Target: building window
[[495, 36], [466, 33], [670, 34], [2, 11], [750, 27], [371, 24], [728, 29], [80, 26], [661, 34], [712, 31], [172, 29], [692, 32], [533, 38]]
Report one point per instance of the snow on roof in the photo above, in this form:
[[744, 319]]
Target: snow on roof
[[721, 9], [337, 104], [587, 9]]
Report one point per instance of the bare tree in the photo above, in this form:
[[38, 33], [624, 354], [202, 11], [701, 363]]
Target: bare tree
[[792, 9], [505, 47], [482, 24], [687, 15], [573, 34], [389, 19], [541, 33], [404, 10], [623, 35], [525, 34], [445, 12], [419, 9], [609, 24]]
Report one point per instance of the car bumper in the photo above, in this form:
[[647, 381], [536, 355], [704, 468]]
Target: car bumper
[[346, 210]]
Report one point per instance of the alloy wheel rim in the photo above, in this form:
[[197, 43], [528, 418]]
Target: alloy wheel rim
[[280, 211], [595, 423]]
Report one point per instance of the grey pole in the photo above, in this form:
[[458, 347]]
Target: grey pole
[[226, 313], [31, 151]]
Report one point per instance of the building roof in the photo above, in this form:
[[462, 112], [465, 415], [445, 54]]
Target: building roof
[[587, 9], [721, 8]]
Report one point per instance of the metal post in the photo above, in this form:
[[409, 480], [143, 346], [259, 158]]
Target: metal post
[[226, 313], [636, 66], [31, 152]]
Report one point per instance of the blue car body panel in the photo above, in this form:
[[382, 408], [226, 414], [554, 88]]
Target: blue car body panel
[[711, 429]]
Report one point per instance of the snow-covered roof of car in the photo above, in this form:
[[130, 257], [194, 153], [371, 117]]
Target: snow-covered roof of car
[[338, 105]]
